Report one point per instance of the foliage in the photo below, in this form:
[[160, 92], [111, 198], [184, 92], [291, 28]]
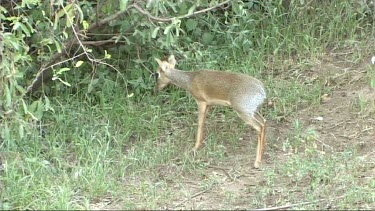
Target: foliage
[[100, 104], [15, 113], [263, 30]]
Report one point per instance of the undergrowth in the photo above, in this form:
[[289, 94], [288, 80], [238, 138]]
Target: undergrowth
[[128, 145]]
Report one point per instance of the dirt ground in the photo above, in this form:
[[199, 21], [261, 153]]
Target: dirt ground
[[337, 120]]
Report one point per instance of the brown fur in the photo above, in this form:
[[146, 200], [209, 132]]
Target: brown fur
[[241, 92]]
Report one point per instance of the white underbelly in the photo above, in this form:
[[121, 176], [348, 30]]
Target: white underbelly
[[218, 102]]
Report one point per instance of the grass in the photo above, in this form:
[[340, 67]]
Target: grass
[[331, 177], [134, 152], [86, 145], [131, 152]]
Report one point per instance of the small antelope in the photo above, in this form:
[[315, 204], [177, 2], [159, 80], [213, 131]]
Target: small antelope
[[241, 92]]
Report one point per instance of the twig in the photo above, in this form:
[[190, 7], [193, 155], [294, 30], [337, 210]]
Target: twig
[[336, 125], [66, 60], [287, 206], [46, 73], [297, 204], [151, 17], [93, 60], [324, 144], [206, 10], [139, 57], [195, 195], [218, 167], [357, 134], [224, 170], [160, 19], [368, 154], [101, 42]]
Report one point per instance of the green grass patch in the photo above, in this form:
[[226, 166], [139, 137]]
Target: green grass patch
[[135, 150]]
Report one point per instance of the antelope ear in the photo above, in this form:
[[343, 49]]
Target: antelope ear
[[162, 66], [172, 60]]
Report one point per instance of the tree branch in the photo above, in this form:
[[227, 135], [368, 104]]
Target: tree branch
[[101, 42], [160, 19], [295, 205], [46, 72]]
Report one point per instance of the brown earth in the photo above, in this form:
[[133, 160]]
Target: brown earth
[[338, 120]]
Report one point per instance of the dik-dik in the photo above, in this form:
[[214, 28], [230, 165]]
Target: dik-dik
[[241, 92]]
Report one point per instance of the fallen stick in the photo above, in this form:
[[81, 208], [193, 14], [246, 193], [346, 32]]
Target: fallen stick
[[195, 195], [288, 206], [297, 204]]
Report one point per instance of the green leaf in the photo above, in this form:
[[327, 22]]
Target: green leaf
[[235, 7], [19, 25], [6, 133], [155, 32], [70, 16], [80, 12], [197, 32], [58, 46], [39, 110], [20, 89], [21, 131], [29, 2], [64, 82], [33, 107], [373, 83], [8, 97], [29, 26], [169, 39], [85, 25], [38, 113], [79, 63], [191, 24], [167, 29], [65, 34], [3, 10], [60, 14], [123, 4], [24, 106], [125, 26], [32, 116], [207, 38], [47, 105], [25, 30], [64, 69], [183, 7], [172, 5], [191, 10], [107, 55], [178, 30]]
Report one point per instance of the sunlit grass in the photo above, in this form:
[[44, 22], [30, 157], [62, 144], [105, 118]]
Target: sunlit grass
[[135, 150]]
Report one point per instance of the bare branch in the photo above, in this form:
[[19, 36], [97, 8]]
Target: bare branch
[[195, 195], [101, 42], [206, 10], [295, 205], [46, 72], [66, 60], [144, 12], [160, 19]]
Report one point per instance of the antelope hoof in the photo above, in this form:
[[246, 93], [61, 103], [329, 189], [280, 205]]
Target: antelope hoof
[[194, 151], [196, 147], [257, 164]]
